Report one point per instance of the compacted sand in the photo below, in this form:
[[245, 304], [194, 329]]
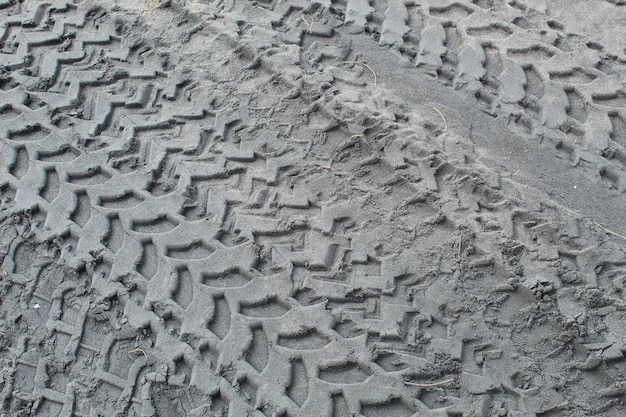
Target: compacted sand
[[312, 208]]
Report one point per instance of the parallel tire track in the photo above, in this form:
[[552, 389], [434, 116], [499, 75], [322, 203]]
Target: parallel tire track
[[212, 235]]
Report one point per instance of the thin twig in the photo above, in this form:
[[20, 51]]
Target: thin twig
[[484, 166], [329, 166], [555, 351], [434, 384], [610, 231], [310, 25], [366, 66], [445, 124], [137, 350], [283, 256]]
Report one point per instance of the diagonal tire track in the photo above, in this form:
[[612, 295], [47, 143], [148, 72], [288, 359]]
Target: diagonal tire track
[[357, 233]]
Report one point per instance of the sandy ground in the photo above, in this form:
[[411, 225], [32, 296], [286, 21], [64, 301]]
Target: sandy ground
[[293, 208]]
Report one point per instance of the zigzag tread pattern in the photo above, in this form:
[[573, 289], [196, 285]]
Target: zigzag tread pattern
[[554, 84], [173, 251]]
